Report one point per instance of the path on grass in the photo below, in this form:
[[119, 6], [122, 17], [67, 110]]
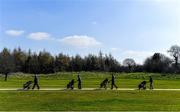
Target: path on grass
[[85, 89]]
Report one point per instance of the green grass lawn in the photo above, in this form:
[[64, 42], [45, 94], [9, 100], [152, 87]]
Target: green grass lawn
[[91, 100], [93, 79]]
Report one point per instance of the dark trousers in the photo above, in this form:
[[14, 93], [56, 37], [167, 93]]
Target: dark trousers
[[151, 85], [36, 84], [113, 85], [79, 86]]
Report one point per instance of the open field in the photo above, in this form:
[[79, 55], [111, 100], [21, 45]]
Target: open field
[[89, 100], [93, 79], [101, 100]]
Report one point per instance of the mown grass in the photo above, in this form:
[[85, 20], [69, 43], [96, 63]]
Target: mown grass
[[92, 79], [97, 100], [89, 100]]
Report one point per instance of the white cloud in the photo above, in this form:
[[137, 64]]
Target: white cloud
[[81, 41], [114, 49], [40, 36], [138, 56], [14, 32], [137, 53]]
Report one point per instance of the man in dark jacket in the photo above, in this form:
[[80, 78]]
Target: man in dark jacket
[[151, 82], [79, 81], [113, 82], [36, 82]]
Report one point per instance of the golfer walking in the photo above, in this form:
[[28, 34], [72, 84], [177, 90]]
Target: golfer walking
[[36, 82]]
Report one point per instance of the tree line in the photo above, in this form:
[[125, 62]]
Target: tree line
[[44, 62]]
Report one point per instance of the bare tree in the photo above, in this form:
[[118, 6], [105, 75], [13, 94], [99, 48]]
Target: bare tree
[[130, 63], [175, 53]]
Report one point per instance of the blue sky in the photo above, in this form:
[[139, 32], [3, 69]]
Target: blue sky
[[125, 28]]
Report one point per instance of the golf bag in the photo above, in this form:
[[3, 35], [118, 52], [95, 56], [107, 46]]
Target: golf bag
[[70, 85], [104, 83], [142, 85], [27, 85]]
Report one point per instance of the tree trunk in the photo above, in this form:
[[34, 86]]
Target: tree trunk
[[6, 75], [129, 68], [176, 61]]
